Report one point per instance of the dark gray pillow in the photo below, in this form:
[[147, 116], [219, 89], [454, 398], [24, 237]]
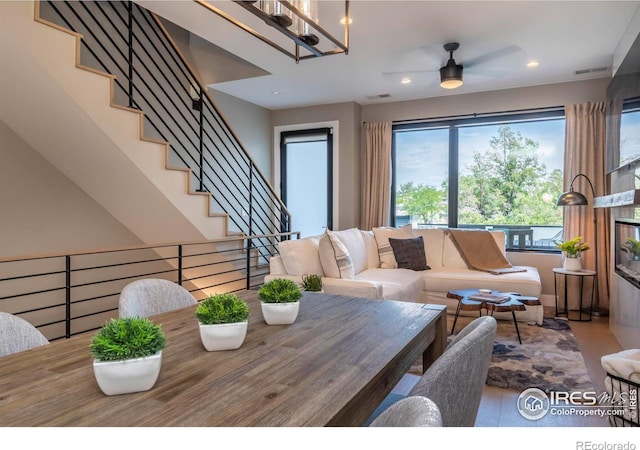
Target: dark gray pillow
[[409, 253]]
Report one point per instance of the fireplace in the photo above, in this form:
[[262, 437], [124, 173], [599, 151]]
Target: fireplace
[[627, 250]]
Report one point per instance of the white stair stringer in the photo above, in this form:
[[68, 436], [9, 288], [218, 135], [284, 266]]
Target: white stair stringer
[[65, 111]]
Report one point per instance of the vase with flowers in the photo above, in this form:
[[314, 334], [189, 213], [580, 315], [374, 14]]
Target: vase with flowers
[[572, 253]]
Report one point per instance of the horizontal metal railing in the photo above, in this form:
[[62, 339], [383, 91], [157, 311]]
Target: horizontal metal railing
[[68, 294]]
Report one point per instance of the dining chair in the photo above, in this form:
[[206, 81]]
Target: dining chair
[[415, 411], [454, 382], [17, 335], [151, 296]]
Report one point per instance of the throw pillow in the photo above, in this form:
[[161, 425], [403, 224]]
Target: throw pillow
[[409, 253], [382, 235], [300, 256], [334, 257], [353, 241]]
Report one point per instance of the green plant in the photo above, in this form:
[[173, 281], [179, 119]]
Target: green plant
[[127, 338], [280, 290], [573, 248], [312, 283], [222, 308], [632, 247]]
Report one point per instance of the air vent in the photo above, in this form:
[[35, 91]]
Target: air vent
[[592, 70], [374, 97]]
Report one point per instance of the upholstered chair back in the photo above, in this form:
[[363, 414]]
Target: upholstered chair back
[[148, 297], [410, 412], [456, 379], [17, 335]]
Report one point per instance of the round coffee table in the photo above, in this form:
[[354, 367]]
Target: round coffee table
[[515, 303]]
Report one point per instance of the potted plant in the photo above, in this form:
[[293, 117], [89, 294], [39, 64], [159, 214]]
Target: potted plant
[[127, 354], [280, 301], [572, 251], [632, 247], [223, 320], [312, 283]]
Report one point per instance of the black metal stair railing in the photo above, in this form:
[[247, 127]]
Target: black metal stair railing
[[151, 75]]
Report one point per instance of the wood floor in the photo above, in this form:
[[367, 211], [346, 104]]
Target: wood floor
[[498, 406]]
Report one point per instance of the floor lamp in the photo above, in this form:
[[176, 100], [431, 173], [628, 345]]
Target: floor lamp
[[573, 198]]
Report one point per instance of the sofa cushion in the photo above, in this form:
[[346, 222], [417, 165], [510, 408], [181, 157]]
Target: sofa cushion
[[334, 257], [382, 234], [301, 256], [409, 253], [398, 284], [433, 243], [444, 280]]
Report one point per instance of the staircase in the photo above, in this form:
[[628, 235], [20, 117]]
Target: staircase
[[101, 91]]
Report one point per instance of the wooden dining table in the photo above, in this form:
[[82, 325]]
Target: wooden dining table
[[332, 367]]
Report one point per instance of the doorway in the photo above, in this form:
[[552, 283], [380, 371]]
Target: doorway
[[306, 174]]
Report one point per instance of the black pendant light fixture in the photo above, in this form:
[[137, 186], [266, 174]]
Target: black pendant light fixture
[[451, 74]]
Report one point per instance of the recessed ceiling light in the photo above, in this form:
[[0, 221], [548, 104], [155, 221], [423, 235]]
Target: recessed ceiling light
[[405, 80], [344, 20], [533, 63], [275, 92]]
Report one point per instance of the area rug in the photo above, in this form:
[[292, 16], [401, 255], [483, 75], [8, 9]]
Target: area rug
[[549, 357]]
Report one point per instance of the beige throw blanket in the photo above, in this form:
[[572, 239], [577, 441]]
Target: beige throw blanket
[[480, 251]]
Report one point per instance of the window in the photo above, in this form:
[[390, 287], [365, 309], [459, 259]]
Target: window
[[629, 136], [493, 172]]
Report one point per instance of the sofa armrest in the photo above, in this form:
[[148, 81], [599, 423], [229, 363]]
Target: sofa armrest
[[339, 286], [276, 266], [352, 288]]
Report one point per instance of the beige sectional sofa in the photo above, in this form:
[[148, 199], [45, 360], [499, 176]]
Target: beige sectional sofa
[[360, 263]]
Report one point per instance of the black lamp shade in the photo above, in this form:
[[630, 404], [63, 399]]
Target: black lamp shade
[[451, 75], [571, 198]]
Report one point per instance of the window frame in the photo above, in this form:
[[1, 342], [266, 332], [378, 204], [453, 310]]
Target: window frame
[[454, 123]]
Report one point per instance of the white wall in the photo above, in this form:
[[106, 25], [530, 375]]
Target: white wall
[[43, 211], [252, 126]]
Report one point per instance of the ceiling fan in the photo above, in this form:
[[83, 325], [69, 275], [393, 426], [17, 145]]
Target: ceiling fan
[[451, 74]]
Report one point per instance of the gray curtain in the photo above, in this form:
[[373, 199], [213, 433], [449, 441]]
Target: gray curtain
[[584, 153], [376, 179]]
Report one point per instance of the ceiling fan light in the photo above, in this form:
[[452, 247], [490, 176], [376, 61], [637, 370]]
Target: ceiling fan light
[[451, 83], [451, 75]]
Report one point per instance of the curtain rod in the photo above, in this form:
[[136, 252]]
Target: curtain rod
[[476, 115]]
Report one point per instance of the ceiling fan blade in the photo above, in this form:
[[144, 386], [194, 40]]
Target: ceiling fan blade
[[485, 72], [500, 53], [414, 60], [407, 72]]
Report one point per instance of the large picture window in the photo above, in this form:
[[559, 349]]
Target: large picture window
[[494, 173]]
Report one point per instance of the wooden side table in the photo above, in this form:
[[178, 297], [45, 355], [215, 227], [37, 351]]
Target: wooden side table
[[580, 276]]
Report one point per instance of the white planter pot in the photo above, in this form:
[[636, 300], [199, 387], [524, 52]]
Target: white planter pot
[[572, 264], [130, 375], [224, 336], [280, 313]]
